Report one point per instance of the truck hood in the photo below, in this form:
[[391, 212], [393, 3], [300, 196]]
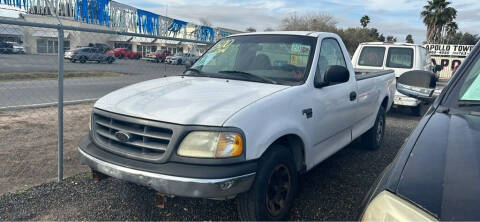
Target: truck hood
[[186, 100], [442, 174]]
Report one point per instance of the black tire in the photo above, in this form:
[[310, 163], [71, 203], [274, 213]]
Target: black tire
[[110, 60], [73, 61], [179, 62], [254, 204], [83, 60], [373, 138]]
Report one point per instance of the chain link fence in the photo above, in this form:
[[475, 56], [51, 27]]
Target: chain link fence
[[43, 114]]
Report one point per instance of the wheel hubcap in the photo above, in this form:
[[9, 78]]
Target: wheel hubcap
[[278, 189], [380, 130]]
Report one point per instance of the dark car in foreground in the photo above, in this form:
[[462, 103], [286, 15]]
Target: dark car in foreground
[[436, 174]]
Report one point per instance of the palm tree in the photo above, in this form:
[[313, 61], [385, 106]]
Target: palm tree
[[437, 16], [364, 21], [409, 39], [450, 30]]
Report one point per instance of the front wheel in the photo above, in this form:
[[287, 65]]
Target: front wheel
[[373, 138], [275, 187]]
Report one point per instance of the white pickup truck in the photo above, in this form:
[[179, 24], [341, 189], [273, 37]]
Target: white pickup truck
[[399, 57], [237, 125]]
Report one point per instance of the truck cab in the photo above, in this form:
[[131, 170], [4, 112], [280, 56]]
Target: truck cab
[[399, 57]]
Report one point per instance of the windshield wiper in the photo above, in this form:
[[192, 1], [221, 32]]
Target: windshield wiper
[[468, 103], [250, 75], [194, 72]]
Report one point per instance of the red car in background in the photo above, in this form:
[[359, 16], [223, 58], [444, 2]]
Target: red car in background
[[125, 53], [158, 56]]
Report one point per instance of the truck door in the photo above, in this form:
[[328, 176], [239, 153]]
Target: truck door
[[333, 105]]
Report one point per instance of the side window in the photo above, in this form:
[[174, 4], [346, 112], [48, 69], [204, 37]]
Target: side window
[[372, 56], [400, 58], [330, 54]]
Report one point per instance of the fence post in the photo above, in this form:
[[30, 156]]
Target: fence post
[[60, 102]]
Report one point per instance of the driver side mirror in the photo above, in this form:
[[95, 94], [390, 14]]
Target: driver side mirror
[[334, 75], [188, 64], [417, 84]]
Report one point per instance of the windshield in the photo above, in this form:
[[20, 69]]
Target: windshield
[[470, 90], [372, 56], [282, 59]]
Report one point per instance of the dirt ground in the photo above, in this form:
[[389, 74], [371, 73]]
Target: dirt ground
[[28, 145]]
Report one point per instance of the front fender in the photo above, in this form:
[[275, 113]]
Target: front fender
[[270, 118]]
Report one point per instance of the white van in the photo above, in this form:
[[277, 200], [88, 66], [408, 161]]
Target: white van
[[400, 57]]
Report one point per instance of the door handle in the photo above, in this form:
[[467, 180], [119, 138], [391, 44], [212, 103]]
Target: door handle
[[353, 96], [308, 113]]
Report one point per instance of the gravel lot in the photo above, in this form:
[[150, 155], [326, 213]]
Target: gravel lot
[[331, 191], [28, 145]]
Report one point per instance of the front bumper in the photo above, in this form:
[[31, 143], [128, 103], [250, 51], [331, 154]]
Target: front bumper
[[217, 188]]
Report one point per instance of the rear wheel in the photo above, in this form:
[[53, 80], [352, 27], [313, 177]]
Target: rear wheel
[[373, 138], [83, 60], [275, 186]]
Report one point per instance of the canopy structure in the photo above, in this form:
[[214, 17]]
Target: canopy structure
[[121, 38], [49, 34], [119, 17], [11, 31]]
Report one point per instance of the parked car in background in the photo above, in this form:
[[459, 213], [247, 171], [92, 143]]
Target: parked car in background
[[436, 174], [100, 46], [125, 53], [88, 54], [6, 48], [400, 57], [180, 58], [158, 56], [255, 112], [17, 48]]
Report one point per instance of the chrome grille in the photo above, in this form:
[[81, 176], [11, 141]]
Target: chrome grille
[[145, 141]]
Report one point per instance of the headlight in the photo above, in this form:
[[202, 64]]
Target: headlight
[[204, 144], [388, 207]]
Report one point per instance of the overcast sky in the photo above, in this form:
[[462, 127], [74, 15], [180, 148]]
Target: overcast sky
[[391, 17]]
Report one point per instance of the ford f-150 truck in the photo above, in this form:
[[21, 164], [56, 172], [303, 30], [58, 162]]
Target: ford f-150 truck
[[237, 125]]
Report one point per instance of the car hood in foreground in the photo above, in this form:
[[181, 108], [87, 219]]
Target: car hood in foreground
[[186, 100], [442, 174]]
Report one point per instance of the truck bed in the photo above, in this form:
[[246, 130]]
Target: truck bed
[[361, 74]]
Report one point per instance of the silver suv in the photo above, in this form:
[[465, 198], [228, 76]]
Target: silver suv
[[88, 54]]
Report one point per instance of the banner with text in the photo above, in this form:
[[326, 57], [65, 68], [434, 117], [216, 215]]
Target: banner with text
[[449, 50]]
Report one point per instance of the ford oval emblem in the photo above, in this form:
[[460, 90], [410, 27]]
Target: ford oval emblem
[[122, 136]]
